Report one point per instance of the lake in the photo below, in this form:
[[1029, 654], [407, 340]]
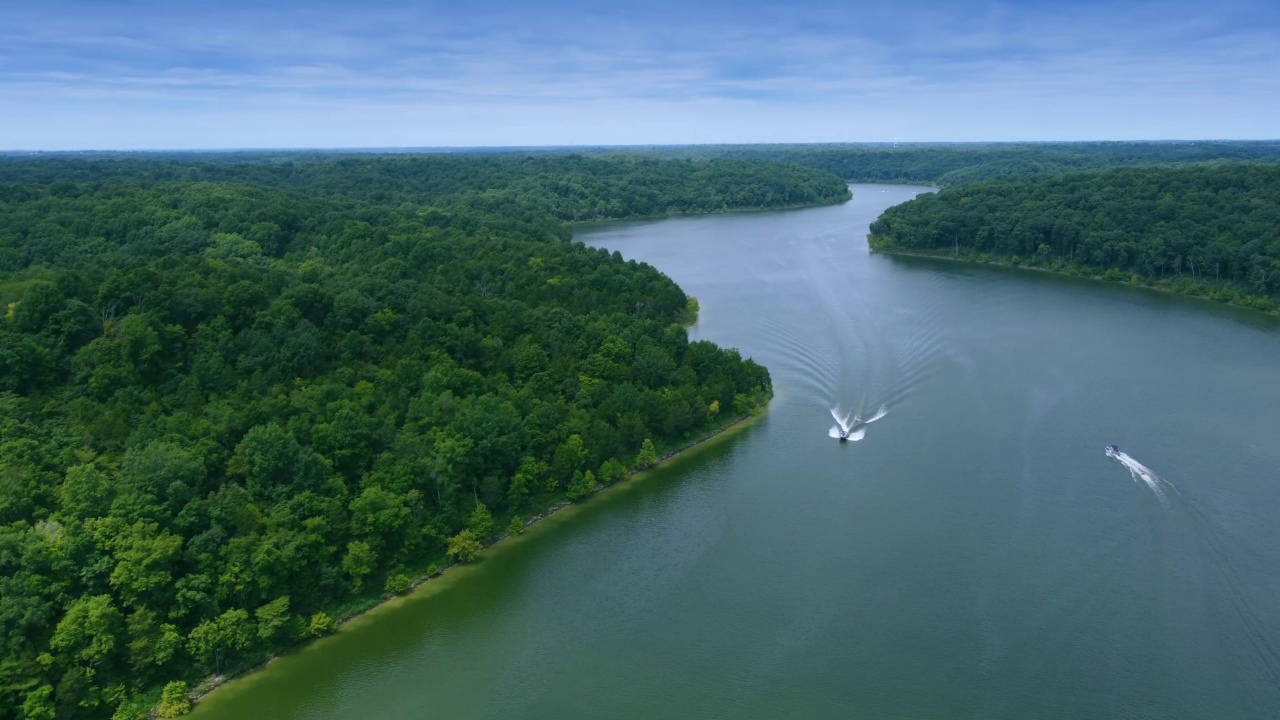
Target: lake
[[975, 555]]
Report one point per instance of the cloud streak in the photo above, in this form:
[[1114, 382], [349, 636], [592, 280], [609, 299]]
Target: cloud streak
[[379, 74]]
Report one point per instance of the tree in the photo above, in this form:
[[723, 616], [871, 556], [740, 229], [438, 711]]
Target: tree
[[481, 521], [379, 516], [569, 457], [145, 556], [613, 471], [151, 644], [582, 485], [231, 246], [39, 705], [86, 492], [464, 547], [529, 478], [647, 457], [274, 464], [359, 561], [90, 630], [320, 624], [213, 641], [174, 701], [398, 584], [516, 526], [272, 618]]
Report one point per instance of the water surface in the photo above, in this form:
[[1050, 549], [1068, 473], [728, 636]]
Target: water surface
[[975, 556]]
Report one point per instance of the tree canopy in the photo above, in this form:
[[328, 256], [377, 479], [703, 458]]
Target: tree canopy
[[236, 397], [1211, 229], [959, 163]]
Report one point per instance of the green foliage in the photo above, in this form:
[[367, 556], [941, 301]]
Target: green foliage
[[613, 471], [647, 457], [151, 643], [272, 618], [481, 521], [234, 394], [320, 625], [398, 584], [174, 701], [582, 485], [516, 526], [465, 547], [691, 310], [134, 708], [214, 641], [1209, 230], [39, 704], [90, 630], [359, 561], [530, 478]]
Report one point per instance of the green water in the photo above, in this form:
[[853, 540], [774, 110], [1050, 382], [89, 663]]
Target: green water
[[974, 556]]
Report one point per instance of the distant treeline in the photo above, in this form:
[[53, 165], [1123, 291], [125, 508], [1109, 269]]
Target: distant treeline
[[238, 400], [958, 163], [565, 187], [932, 163], [1204, 230]]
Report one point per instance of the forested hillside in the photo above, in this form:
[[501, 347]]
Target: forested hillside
[[958, 163], [1205, 230], [233, 406]]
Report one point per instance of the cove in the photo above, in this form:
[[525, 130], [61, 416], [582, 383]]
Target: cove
[[976, 555]]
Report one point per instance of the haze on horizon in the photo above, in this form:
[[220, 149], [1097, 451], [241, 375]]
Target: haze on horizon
[[287, 74]]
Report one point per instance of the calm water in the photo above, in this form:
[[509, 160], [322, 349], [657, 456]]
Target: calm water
[[975, 556]]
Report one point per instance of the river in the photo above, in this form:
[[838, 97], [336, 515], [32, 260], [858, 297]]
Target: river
[[975, 555]]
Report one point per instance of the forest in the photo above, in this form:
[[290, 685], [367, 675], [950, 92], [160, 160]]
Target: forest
[[943, 164], [1207, 230], [949, 164], [241, 400], [564, 187]]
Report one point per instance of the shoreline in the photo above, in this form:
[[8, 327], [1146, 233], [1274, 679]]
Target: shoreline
[[213, 683], [1083, 276], [700, 213]]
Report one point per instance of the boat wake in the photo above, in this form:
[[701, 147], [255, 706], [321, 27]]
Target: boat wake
[[1141, 473], [852, 428]]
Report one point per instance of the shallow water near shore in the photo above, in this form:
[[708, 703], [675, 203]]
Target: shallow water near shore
[[975, 555]]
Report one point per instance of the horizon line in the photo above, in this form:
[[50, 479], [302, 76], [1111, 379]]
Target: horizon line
[[474, 148]]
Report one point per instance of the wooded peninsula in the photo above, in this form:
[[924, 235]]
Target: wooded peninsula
[[241, 399]]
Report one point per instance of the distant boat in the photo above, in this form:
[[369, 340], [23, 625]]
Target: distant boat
[[1113, 451]]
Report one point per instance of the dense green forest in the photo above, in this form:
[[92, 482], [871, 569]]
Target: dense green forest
[[563, 186], [240, 400], [958, 163], [933, 163], [1203, 230]]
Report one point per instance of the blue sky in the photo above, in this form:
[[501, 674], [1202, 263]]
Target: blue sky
[[177, 74]]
